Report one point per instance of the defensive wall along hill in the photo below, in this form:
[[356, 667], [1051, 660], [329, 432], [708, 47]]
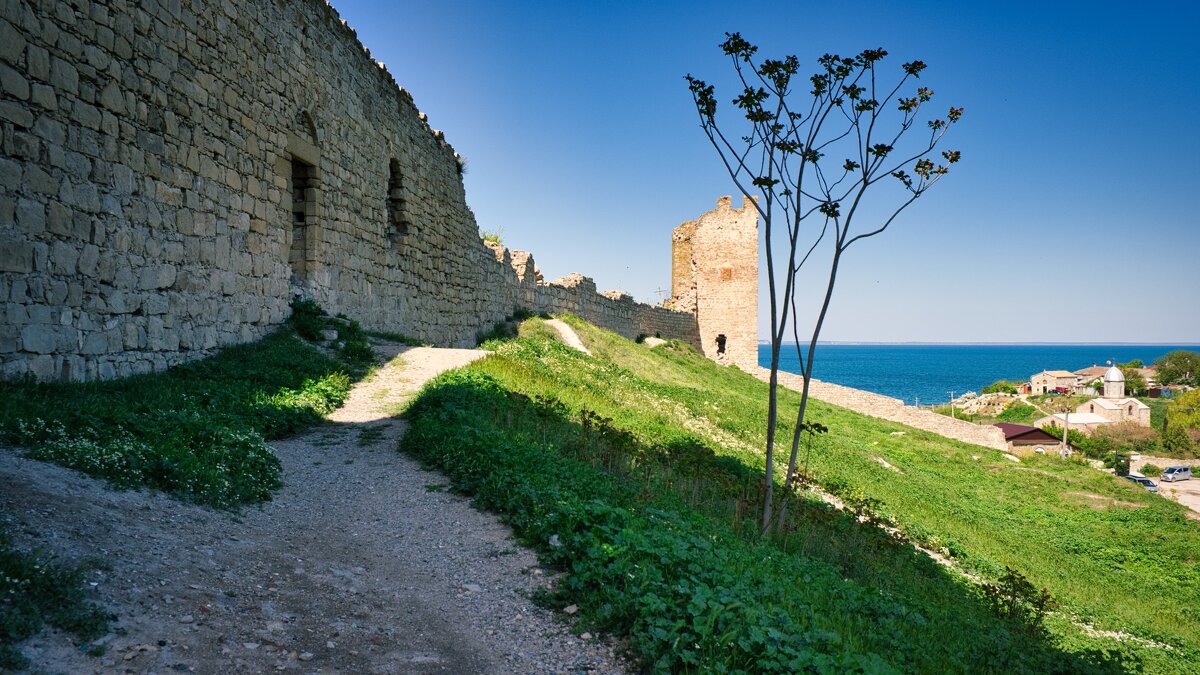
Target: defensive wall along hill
[[888, 408], [174, 173]]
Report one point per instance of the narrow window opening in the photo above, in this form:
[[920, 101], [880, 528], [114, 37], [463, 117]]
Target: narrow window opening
[[304, 211], [726, 274], [399, 224], [720, 344]]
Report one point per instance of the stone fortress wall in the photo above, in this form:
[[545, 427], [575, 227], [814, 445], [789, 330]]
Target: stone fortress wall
[[174, 172], [888, 408], [515, 283]]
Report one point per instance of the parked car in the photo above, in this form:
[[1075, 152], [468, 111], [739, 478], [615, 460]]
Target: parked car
[[1144, 482], [1174, 473]]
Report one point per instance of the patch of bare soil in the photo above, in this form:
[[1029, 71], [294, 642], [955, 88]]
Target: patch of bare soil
[[568, 334], [363, 563], [1100, 502], [886, 464]]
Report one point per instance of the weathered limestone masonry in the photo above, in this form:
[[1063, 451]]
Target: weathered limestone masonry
[[174, 172], [888, 408], [714, 275], [575, 293]]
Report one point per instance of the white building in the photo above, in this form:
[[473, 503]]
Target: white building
[[1111, 408]]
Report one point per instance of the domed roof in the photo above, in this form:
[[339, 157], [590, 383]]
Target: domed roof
[[1114, 374]]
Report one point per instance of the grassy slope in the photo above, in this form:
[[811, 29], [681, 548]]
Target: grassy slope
[[196, 431], [1107, 565], [1129, 568]]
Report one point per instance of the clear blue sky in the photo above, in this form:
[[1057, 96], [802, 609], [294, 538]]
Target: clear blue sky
[[1076, 198]]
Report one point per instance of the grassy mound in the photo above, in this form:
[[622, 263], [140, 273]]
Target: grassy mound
[[635, 471], [197, 431]]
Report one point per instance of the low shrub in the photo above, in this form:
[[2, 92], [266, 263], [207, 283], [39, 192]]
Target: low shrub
[[1001, 387], [309, 321], [1151, 470], [1018, 413], [197, 431], [36, 591], [646, 520]]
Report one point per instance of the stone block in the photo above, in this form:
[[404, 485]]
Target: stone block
[[94, 343], [17, 113], [16, 255], [37, 62], [112, 98], [122, 302], [64, 258], [43, 367], [12, 43], [64, 76], [10, 174], [157, 276], [59, 219], [87, 115], [39, 338], [89, 257], [13, 83], [155, 303], [8, 338], [43, 96]]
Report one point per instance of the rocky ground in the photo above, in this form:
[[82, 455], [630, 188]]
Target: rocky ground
[[363, 563]]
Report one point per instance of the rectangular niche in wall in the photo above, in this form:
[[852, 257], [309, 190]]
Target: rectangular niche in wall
[[304, 212], [399, 225]]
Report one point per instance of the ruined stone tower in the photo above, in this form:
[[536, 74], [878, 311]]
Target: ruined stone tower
[[714, 274]]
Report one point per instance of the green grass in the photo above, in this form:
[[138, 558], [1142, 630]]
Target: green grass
[[1019, 413], [1158, 411], [636, 472], [197, 431], [1015, 413], [35, 591]]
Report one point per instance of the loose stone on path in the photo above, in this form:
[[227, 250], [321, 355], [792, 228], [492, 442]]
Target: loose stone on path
[[353, 567]]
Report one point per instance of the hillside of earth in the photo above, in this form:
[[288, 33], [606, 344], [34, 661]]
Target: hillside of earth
[[635, 471], [280, 531]]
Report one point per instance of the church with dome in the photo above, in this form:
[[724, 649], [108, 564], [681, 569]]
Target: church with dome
[[1111, 408]]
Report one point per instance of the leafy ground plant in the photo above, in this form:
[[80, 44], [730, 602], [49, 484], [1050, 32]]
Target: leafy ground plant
[[197, 431], [637, 473], [36, 591]]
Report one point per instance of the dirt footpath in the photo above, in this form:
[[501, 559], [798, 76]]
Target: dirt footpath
[[361, 564]]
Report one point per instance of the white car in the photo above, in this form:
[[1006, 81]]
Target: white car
[[1174, 473]]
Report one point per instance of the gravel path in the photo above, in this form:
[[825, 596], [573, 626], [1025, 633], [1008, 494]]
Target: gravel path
[[361, 564], [569, 336]]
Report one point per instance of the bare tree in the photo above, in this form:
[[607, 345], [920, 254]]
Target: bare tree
[[806, 162]]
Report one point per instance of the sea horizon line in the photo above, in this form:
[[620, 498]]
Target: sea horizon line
[[991, 344]]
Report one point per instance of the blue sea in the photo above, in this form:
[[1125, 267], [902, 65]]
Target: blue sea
[[931, 372]]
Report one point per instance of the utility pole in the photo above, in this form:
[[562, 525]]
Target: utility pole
[[1063, 451]]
